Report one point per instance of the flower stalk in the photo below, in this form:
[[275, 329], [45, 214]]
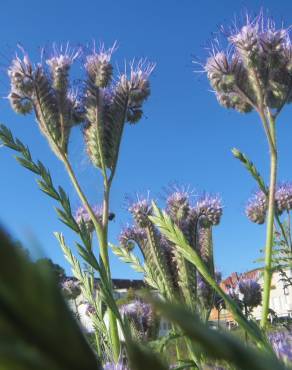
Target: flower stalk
[[270, 219]]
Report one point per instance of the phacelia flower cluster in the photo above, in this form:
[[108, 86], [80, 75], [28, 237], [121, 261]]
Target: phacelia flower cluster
[[283, 197], [141, 315], [251, 292], [132, 235], [140, 211], [256, 208], [209, 210], [82, 216], [45, 89], [257, 205], [256, 68], [177, 205], [109, 105], [104, 106], [282, 345]]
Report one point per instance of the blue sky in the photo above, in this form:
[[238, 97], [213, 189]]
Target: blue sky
[[185, 135]]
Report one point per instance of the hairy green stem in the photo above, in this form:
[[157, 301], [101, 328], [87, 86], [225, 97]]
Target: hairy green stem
[[270, 219], [101, 231]]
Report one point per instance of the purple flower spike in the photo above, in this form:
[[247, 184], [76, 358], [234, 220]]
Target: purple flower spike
[[251, 291], [209, 210], [256, 208], [283, 197]]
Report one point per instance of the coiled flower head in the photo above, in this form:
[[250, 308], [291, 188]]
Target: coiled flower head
[[59, 64], [256, 208], [98, 66], [209, 210], [257, 66], [132, 235], [251, 292], [137, 87], [177, 205], [140, 211], [47, 93], [283, 197]]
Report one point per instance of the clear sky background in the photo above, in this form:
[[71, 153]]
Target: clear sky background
[[185, 135]]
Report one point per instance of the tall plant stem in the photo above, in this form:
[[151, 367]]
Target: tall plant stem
[[269, 126], [101, 231], [114, 334], [81, 195]]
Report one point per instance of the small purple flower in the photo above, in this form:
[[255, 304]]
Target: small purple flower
[[209, 210], [283, 197], [251, 292], [82, 215], [131, 235], [140, 210], [256, 208], [282, 345]]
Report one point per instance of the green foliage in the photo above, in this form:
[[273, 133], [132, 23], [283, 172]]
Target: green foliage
[[175, 235], [216, 344], [35, 321]]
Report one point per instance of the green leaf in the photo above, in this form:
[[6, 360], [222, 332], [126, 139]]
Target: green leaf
[[251, 169], [38, 331]]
